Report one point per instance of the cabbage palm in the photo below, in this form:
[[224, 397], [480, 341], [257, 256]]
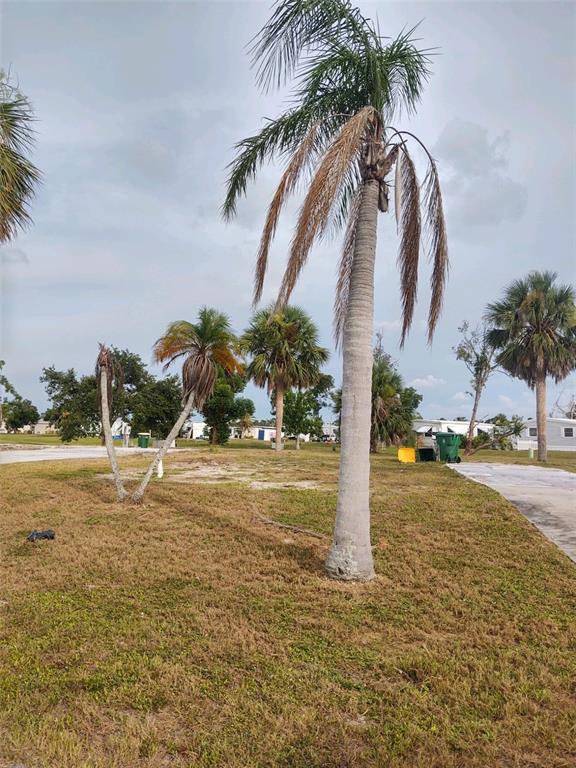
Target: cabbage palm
[[339, 136], [206, 347], [18, 176], [284, 350], [534, 329]]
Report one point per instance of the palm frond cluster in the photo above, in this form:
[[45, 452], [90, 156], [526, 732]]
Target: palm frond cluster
[[350, 83], [283, 348], [534, 328], [208, 346], [18, 176]]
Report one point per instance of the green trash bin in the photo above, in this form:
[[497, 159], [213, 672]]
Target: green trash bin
[[448, 447], [143, 440]]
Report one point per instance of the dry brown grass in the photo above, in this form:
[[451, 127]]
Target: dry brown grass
[[185, 633]]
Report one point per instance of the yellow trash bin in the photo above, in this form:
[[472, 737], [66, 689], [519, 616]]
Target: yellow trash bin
[[407, 455]]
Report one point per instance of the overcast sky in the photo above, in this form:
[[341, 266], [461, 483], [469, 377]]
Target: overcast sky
[[138, 107]]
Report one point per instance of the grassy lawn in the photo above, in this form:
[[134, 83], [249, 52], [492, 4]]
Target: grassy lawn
[[556, 459], [45, 440], [188, 633]]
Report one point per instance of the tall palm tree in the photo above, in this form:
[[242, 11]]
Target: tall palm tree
[[351, 83], [534, 329], [106, 371], [283, 345], [207, 346], [18, 176]]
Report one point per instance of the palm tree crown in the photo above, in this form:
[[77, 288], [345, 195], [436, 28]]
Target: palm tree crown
[[284, 349], [18, 176], [351, 83], [206, 346], [534, 328]]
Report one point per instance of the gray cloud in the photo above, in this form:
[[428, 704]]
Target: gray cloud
[[479, 190]]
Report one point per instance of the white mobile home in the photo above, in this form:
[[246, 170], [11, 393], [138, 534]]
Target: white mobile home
[[432, 426], [560, 435]]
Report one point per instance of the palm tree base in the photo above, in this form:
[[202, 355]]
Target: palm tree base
[[348, 562]]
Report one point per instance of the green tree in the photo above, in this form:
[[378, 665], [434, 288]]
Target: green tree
[[7, 388], [302, 408], [284, 352], [394, 406], [223, 407], [138, 397], [351, 83], [500, 438], [156, 406], [74, 409], [20, 413], [533, 327], [245, 409], [18, 176], [206, 347], [479, 356]]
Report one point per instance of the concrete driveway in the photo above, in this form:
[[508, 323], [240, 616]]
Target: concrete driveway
[[547, 497], [16, 456]]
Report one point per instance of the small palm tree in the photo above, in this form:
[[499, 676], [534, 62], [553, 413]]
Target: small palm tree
[[285, 353], [351, 83], [534, 329], [106, 372], [18, 176], [207, 347]]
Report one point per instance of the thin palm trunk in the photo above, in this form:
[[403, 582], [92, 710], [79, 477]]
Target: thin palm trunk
[[298, 442], [350, 556], [470, 435], [541, 415], [108, 441], [174, 432], [279, 415]]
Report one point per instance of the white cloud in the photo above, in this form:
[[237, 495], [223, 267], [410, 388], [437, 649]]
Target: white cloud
[[427, 382], [460, 397], [507, 401]]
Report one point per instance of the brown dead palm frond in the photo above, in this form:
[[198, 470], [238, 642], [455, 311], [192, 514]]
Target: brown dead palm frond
[[300, 159], [437, 244], [345, 269], [410, 226], [398, 189], [324, 190], [198, 376]]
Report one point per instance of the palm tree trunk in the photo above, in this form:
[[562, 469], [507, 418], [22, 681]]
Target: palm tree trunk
[[298, 442], [279, 416], [108, 441], [350, 557], [470, 435], [174, 432], [541, 416]]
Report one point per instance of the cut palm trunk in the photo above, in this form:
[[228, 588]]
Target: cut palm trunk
[[350, 557], [138, 495], [121, 492]]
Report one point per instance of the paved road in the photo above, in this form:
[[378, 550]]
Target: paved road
[[547, 497], [57, 453]]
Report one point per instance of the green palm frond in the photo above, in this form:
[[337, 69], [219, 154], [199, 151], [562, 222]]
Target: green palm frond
[[18, 176], [283, 348]]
